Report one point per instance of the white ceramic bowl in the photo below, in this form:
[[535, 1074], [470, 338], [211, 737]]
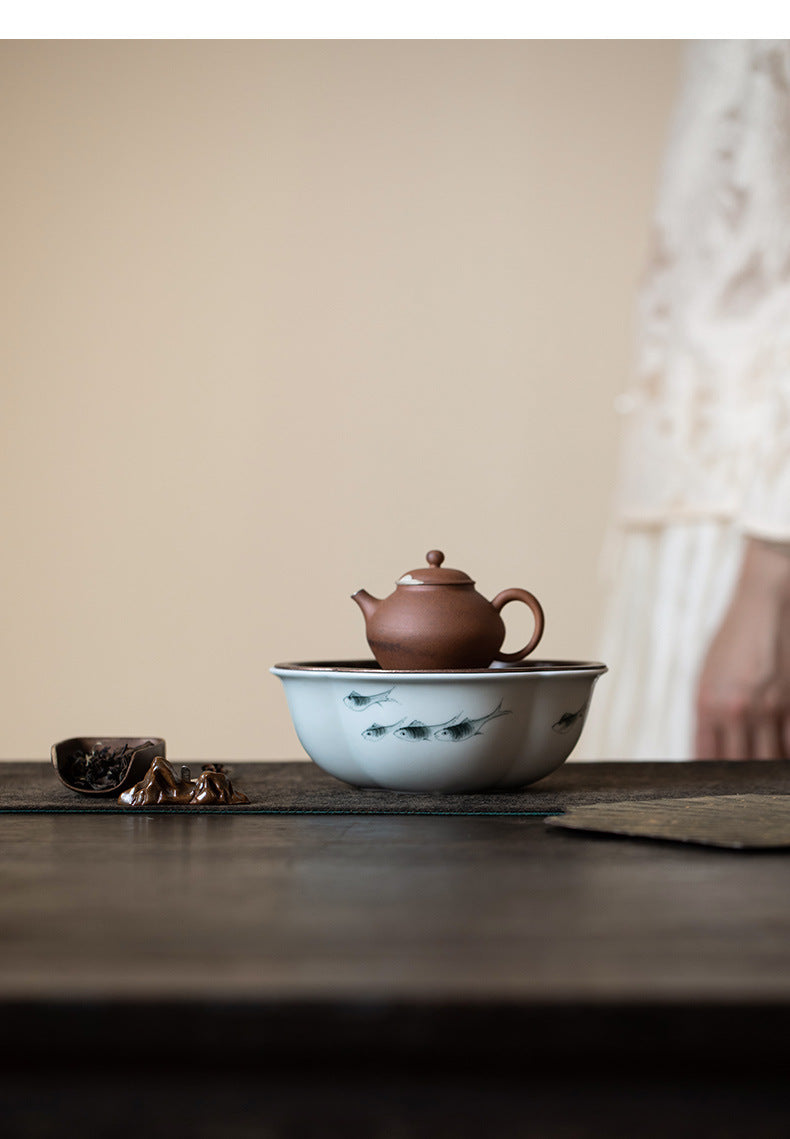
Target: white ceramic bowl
[[468, 730]]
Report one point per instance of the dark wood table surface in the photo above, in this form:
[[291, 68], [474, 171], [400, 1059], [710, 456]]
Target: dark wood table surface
[[393, 975]]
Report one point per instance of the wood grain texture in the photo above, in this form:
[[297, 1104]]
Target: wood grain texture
[[404, 907], [361, 948]]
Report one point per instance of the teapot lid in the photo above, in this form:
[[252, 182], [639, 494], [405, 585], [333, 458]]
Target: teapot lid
[[433, 574]]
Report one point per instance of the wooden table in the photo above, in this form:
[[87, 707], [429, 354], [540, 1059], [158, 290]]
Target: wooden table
[[391, 976]]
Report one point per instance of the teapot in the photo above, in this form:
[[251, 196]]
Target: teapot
[[436, 619]]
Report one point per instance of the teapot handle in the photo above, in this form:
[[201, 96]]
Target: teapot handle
[[537, 612]]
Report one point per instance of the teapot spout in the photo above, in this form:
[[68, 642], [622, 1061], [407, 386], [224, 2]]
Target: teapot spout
[[367, 603]]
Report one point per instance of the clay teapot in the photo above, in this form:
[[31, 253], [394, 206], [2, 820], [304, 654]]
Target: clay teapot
[[436, 619]]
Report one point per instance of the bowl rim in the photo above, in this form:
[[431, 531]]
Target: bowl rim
[[372, 669]]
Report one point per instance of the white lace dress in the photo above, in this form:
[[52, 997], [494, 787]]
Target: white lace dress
[[706, 448]]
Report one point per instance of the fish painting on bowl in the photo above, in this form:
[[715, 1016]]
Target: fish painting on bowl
[[455, 731]]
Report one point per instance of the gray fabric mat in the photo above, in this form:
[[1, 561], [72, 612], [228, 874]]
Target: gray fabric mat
[[300, 788], [737, 822]]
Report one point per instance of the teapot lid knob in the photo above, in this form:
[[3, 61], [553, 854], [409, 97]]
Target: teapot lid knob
[[433, 574]]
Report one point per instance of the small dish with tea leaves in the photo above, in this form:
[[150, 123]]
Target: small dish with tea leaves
[[104, 765]]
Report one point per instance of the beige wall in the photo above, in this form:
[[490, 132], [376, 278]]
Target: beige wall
[[278, 317]]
